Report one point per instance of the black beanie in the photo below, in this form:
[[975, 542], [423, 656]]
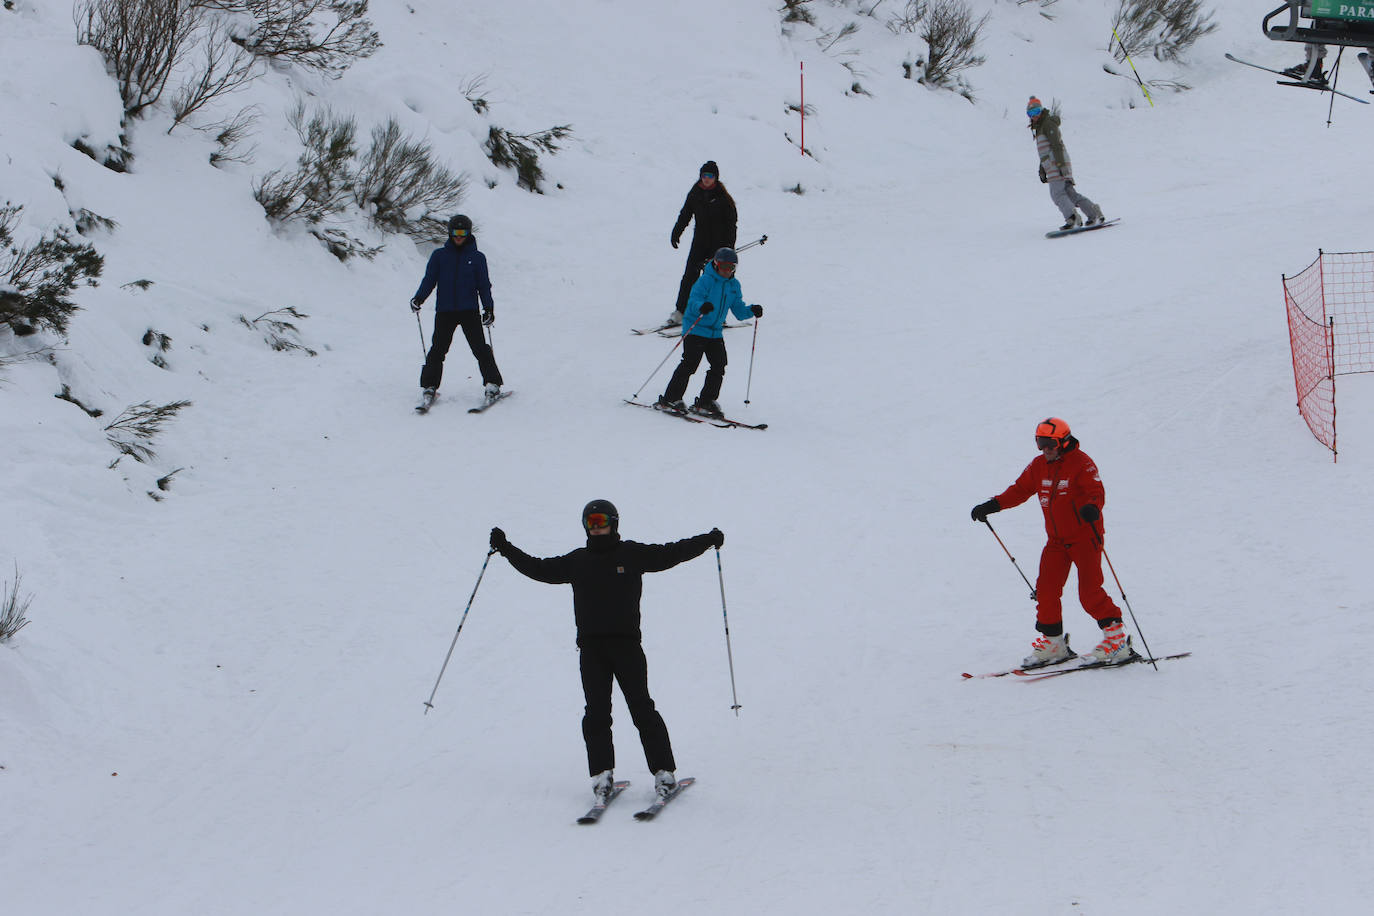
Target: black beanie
[[710, 167]]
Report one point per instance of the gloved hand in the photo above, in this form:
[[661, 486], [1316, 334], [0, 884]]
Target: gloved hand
[[675, 239], [707, 308], [1043, 179], [488, 317], [717, 538], [981, 511], [757, 310], [1089, 513], [415, 306], [498, 540]]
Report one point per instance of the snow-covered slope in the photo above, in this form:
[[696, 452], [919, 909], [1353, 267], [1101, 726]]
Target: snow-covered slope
[[217, 707]]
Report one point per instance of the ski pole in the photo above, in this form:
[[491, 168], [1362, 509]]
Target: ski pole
[[734, 699], [1127, 55], [422, 335], [749, 385], [635, 396], [429, 704], [1012, 558], [1135, 623], [762, 240]]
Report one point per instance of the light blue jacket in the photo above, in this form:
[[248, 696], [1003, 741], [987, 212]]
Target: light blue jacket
[[722, 293]]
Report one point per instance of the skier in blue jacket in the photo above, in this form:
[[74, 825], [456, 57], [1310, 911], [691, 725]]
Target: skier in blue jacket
[[715, 291], [458, 272]]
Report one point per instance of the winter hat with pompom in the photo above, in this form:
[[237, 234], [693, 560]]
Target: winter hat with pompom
[[1033, 107]]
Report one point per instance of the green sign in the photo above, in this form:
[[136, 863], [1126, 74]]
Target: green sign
[[1358, 10]]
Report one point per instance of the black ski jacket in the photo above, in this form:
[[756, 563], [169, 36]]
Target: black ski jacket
[[607, 584], [715, 215]]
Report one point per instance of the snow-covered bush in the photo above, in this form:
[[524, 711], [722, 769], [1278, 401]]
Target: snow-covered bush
[[36, 281], [324, 35], [951, 35], [1163, 28], [322, 183], [12, 608], [401, 187], [797, 11], [133, 431], [521, 152], [141, 41]]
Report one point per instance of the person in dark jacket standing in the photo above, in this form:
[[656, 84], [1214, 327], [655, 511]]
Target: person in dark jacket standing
[[607, 580], [713, 209], [458, 271], [1072, 496]]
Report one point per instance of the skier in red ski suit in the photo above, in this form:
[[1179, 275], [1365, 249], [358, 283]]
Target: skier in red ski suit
[[1071, 495]]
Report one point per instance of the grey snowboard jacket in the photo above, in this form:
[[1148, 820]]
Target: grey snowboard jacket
[[1049, 146]]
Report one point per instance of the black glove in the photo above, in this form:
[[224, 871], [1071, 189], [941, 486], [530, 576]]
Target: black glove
[[707, 308], [1089, 513], [488, 317], [498, 540], [981, 511], [415, 305], [676, 239], [757, 310], [1043, 179], [717, 538]]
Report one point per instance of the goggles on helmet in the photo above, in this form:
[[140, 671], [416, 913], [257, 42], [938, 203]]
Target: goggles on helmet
[[597, 520], [460, 233], [726, 266], [1047, 442]]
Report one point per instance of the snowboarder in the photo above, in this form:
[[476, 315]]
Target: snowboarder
[[459, 272], [607, 579], [714, 211], [1071, 496], [1056, 170], [714, 292]]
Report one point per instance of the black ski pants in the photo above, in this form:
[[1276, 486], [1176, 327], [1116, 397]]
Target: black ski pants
[[445, 324], [622, 659], [696, 263], [693, 349]]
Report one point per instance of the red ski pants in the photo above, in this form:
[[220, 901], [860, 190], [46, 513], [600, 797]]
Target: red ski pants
[[1055, 560]]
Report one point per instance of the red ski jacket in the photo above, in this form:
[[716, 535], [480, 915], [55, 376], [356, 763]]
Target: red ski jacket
[[1064, 487]]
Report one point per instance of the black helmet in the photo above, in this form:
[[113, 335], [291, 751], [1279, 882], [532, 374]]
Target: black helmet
[[459, 222], [726, 256], [601, 507]]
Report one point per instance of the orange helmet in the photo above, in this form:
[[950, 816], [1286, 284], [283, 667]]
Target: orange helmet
[[1052, 428]]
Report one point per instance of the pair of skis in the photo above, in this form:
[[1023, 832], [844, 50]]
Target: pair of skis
[[691, 417], [1064, 666], [648, 814], [1301, 84], [674, 329], [427, 401]]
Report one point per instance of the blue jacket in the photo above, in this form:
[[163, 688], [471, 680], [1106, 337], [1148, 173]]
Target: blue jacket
[[722, 293], [460, 275]]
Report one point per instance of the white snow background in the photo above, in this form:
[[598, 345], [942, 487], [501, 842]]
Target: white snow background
[[217, 705]]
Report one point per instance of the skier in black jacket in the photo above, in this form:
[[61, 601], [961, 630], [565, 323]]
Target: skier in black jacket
[[607, 580], [716, 224]]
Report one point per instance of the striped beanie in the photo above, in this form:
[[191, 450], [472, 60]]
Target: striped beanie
[[1033, 107]]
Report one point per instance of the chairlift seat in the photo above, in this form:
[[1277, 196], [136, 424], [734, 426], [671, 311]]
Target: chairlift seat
[[1328, 22]]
